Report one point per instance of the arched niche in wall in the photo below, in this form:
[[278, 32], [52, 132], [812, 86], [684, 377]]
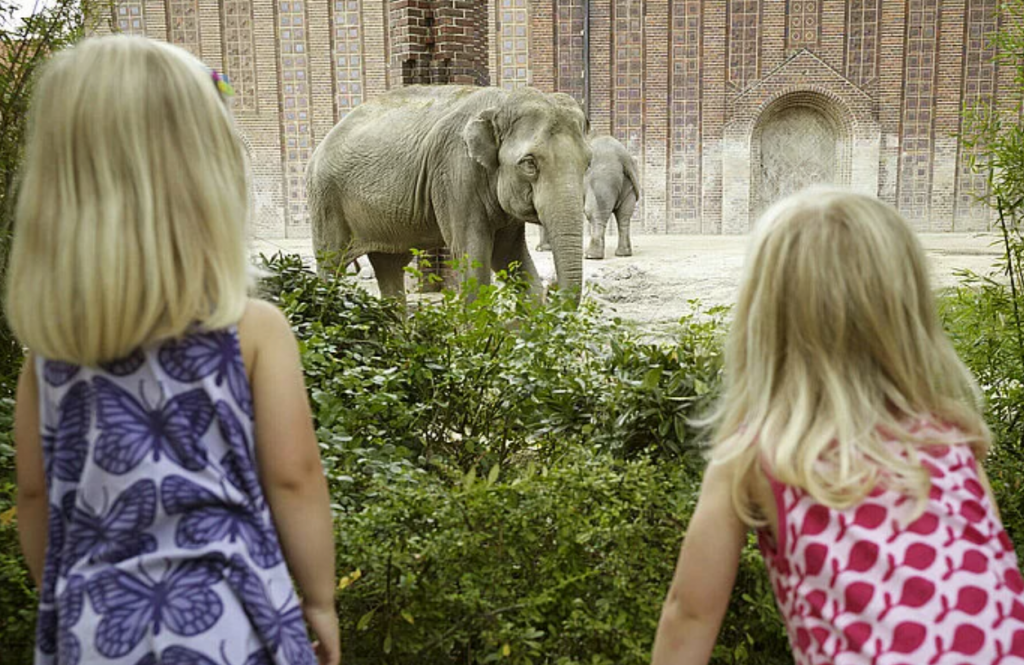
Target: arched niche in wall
[[801, 124], [801, 139]]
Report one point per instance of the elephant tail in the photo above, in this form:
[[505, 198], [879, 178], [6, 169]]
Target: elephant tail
[[629, 166]]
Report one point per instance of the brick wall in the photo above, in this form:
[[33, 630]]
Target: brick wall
[[694, 127], [686, 85]]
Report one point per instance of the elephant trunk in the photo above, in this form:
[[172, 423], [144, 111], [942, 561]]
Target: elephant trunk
[[564, 225]]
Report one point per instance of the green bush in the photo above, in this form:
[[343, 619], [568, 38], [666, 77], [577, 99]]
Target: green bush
[[512, 481], [497, 379]]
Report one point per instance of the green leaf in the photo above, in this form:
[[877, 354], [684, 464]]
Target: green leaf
[[651, 378], [364, 621]]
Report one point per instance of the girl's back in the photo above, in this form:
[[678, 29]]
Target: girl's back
[[874, 580], [157, 516]]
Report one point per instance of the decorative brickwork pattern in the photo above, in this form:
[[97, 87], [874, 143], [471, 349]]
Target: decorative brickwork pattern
[[240, 53], [295, 107], [915, 174], [743, 27], [979, 86], [862, 41], [628, 112], [183, 24], [348, 56], [685, 116], [804, 23], [130, 18], [513, 68], [569, 31]]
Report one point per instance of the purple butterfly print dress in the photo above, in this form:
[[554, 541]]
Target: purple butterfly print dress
[[161, 547]]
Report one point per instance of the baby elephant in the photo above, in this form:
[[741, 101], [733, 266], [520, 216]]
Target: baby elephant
[[612, 186]]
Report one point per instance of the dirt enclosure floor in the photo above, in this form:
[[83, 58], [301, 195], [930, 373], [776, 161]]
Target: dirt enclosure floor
[[652, 288]]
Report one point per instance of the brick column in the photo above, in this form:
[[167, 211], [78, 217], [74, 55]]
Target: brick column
[[321, 68], [542, 44], [411, 39], [155, 12], [211, 48], [713, 117], [601, 66], [833, 29], [375, 46], [890, 96], [262, 129], [440, 42], [460, 42], [656, 62], [949, 82], [773, 38]]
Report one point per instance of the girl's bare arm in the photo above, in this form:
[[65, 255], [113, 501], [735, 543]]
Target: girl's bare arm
[[288, 455], [33, 507], [704, 577]]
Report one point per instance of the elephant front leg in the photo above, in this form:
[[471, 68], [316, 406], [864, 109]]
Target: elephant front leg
[[390, 272], [623, 215], [509, 249], [472, 252]]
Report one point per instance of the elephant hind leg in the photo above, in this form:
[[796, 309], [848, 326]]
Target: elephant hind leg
[[623, 214], [598, 216], [390, 272]]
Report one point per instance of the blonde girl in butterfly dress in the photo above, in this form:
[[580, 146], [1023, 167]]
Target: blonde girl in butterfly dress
[[849, 436], [168, 474]]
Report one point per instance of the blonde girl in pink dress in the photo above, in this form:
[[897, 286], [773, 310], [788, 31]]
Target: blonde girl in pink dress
[[849, 435]]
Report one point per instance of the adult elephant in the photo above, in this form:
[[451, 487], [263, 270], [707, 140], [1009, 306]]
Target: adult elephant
[[433, 166]]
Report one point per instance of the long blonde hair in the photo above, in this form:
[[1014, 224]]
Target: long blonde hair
[[131, 218], [836, 348]]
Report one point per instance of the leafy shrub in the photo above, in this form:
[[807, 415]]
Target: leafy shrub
[[565, 564], [473, 383], [512, 481]]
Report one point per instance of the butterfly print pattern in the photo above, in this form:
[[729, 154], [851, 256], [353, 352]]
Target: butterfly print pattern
[[240, 461], [874, 583], [155, 505], [126, 366], [130, 431], [118, 535], [65, 447], [57, 373], [215, 353], [282, 629], [134, 606], [207, 519]]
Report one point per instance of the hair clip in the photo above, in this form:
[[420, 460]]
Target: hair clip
[[223, 83]]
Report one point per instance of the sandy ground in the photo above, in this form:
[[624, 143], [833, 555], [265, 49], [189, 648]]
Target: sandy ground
[[652, 288]]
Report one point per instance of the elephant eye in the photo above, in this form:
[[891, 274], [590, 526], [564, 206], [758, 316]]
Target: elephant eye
[[529, 165]]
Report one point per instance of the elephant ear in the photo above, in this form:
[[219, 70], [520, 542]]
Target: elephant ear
[[481, 139]]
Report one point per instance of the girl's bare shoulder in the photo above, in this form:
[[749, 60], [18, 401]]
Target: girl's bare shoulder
[[260, 323]]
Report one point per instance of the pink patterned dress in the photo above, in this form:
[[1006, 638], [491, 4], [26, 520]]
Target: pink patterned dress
[[863, 585]]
